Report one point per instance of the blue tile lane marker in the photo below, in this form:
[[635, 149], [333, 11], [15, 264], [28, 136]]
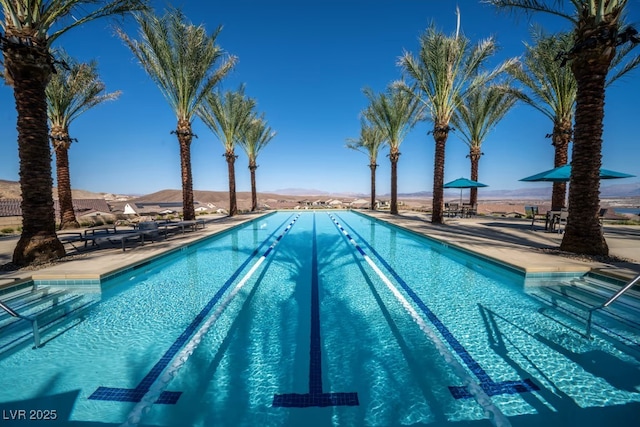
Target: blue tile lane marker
[[490, 387], [171, 397], [315, 397]]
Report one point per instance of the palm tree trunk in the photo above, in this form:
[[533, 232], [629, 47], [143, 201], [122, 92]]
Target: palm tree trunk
[[231, 159], [38, 242], [394, 156], [440, 137], [474, 156], [561, 139], [373, 167], [583, 233], [184, 139], [254, 193], [67, 214]]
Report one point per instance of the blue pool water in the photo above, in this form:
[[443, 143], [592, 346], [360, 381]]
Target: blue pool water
[[320, 319]]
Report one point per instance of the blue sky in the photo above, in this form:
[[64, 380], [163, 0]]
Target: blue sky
[[305, 63]]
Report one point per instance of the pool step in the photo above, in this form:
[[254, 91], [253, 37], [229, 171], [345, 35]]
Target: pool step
[[55, 310], [574, 299]]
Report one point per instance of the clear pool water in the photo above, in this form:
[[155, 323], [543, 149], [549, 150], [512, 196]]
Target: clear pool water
[[315, 334]]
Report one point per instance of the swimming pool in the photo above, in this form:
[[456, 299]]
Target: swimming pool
[[321, 319]]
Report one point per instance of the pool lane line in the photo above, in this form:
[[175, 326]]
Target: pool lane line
[[316, 396], [476, 391], [171, 397], [157, 388], [491, 387]]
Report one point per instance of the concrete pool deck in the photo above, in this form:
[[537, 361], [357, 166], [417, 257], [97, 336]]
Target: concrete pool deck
[[507, 240]]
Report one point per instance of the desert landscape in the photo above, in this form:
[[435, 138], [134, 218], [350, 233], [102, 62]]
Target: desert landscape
[[490, 202]]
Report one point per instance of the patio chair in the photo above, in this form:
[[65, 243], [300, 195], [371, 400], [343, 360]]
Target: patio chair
[[452, 209], [601, 214], [150, 230], [562, 219], [532, 211]]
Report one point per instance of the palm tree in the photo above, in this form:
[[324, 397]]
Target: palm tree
[[179, 57], [597, 32], [552, 92], [481, 111], [70, 92], [255, 136], [370, 142], [227, 115], [394, 113], [445, 71], [30, 28]]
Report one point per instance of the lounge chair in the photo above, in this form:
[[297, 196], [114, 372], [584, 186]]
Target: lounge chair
[[532, 211], [562, 219], [121, 237], [71, 238], [149, 230], [602, 214]]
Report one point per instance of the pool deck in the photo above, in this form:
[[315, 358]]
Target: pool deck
[[507, 240]]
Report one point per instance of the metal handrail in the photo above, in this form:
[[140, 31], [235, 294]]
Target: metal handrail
[[617, 295], [33, 320]]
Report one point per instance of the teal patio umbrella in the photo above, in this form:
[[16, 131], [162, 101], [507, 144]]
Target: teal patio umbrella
[[463, 183], [563, 174]]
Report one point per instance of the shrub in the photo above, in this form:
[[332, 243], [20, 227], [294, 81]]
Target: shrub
[[7, 230]]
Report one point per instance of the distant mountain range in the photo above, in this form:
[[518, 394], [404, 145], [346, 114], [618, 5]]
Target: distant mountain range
[[606, 192], [11, 190]]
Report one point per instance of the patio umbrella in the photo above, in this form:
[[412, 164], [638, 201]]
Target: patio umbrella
[[463, 183], [563, 174]]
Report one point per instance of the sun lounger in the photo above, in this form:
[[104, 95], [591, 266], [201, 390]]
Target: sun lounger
[[123, 238], [150, 230], [72, 237]]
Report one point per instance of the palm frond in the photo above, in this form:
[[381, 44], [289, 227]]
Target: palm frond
[[48, 20], [394, 112], [481, 111], [447, 68], [552, 88], [621, 65], [256, 135], [180, 58], [530, 6], [73, 91], [371, 140], [227, 115]]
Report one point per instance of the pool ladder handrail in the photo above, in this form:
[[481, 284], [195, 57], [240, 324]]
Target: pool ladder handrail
[[617, 295], [33, 320]]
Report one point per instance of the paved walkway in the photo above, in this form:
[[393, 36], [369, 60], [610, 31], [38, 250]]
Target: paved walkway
[[507, 240]]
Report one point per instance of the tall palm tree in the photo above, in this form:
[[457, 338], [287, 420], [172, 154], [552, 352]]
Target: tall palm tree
[[552, 91], [255, 136], [445, 71], [480, 112], [71, 91], [394, 113], [30, 28], [370, 142], [227, 114], [597, 32], [180, 58]]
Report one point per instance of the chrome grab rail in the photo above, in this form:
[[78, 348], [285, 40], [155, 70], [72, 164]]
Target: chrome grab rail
[[33, 320], [617, 295]]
